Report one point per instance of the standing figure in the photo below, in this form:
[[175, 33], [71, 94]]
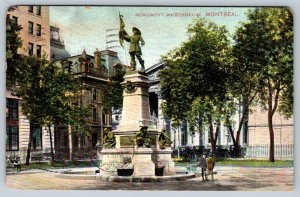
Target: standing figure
[[210, 166], [203, 166], [135, 41]]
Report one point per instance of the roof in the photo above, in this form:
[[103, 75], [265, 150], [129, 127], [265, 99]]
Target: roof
[[156, 66], [57, 53]]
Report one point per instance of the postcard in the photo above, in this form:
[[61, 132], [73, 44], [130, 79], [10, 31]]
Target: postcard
[[149, 98]]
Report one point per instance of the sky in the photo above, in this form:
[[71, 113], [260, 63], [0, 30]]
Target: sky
[[163, 28]]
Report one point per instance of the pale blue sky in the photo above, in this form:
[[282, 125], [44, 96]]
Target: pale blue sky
[[85, 27]]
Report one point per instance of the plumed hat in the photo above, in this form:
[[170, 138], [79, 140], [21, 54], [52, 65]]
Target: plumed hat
[[137, 30]]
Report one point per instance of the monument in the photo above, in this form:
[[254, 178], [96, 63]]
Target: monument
[[135, 148]]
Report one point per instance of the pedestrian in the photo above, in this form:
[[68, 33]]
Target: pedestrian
[[203, 166], [210, 167]]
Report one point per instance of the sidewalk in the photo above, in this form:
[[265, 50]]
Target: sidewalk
[[226, 179]]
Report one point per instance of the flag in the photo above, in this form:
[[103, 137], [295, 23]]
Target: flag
[[122, 31]]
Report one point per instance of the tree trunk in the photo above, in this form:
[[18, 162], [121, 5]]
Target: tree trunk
[[271, 131], [174, 130], [29, 144], [271, 110], [200, 131], [212, 139], [51, 144], [178, 136], [70, 143]]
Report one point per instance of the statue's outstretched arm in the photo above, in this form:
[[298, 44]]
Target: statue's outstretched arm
[[127, 38]]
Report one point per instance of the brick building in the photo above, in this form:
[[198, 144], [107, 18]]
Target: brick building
[[35, 35]]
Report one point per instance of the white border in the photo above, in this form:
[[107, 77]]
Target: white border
[[5, 191]]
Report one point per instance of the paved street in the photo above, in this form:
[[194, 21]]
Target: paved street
[[226, 179]]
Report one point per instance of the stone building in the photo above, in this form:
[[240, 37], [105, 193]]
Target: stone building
[[57, 46], [259, 131], [94, 72], [35, 36], [254, 133]]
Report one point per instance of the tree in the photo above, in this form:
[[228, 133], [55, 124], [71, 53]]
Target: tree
[[113, 93], [46, 92], [13, 59], [264, 46], [197, 70]]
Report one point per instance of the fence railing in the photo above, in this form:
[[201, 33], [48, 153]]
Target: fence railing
[[285, 151]]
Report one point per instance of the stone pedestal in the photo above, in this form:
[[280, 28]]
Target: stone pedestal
[[135, 114], [142, 162], [136, 109]]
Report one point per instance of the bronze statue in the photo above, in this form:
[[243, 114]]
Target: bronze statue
[[135, 40]]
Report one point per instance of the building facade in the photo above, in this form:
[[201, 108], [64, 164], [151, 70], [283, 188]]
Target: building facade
[[57, 46], [93, 72], [35, 36]]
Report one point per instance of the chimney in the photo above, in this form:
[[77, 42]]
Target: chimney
[[83, 61], [83, 55], [97, 56]]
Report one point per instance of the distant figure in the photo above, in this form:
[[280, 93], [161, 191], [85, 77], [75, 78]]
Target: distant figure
[[210, 167], [203, 166], [16, 163]]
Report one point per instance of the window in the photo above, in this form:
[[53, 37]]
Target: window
[[117, 117], [12, 138], [103, 118], [209, 137], [39, 10], [30, 9], [30, 27], [36, 141], [75, 141], [12, 109], [38, 50], [82, 141], [14, 19], [38, 30], [30, 49], [228, 136], [94, 94], [94, 115], [94, 139]]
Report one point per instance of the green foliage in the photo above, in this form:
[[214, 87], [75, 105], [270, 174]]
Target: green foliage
[[13, 59], [194, 83], [113, 93], [48, 95], [164, 139], [196, 69], [109, 140], [142, 138], [264, 51]]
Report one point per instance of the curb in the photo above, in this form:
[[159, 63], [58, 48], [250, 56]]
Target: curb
[[145, 178]]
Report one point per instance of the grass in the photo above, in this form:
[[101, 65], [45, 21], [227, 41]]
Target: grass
[[248, 163], [256, 163], [57, 165]]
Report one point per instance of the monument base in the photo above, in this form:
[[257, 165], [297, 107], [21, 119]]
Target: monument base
[[143, 161]]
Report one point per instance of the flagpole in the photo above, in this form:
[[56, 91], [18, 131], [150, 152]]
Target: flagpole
[[120, 16]]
